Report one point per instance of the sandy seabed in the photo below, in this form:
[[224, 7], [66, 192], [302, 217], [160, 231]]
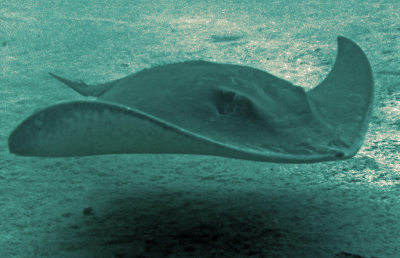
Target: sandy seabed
[[195, 206]]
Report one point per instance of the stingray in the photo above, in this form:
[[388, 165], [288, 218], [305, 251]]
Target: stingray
[[207, 108]]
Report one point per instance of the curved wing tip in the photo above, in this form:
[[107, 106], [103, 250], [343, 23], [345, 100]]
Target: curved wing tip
[[13, 145], [343, 40]]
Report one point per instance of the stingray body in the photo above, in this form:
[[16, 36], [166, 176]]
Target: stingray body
[[199, 107]]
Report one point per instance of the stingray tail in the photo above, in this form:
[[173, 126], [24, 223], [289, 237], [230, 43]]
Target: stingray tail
[[84, 89]]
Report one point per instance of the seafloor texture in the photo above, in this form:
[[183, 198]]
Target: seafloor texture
[[196, 206]]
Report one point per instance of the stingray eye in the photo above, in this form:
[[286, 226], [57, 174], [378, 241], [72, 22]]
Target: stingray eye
[[229, 103], [225, 102]]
